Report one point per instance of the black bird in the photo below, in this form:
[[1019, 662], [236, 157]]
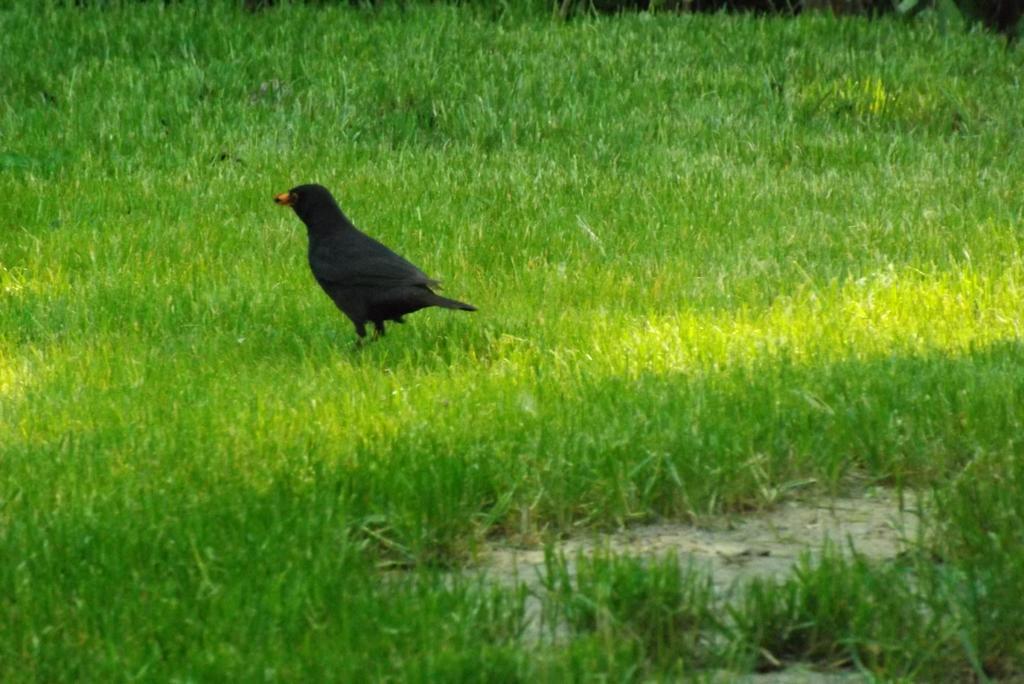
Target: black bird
[[366, 280]]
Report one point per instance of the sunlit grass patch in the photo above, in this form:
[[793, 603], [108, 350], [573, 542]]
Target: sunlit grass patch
[[873, 316]]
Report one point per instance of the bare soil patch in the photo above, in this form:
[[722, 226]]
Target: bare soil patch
[[877, 526]]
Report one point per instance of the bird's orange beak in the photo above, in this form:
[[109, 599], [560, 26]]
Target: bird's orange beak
[[285, 199]]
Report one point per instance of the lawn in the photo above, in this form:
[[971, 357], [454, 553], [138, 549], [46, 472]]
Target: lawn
[[719, 261]]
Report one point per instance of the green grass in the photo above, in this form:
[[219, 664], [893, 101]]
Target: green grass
[[716, 258]]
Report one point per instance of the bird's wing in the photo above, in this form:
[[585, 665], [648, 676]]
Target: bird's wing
[[363, 270]]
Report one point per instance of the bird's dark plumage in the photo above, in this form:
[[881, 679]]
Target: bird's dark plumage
[[366, 280]]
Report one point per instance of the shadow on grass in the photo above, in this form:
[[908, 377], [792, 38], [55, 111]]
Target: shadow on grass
[[145, 539]]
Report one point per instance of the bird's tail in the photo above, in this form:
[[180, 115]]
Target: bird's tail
[[438, 300]]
